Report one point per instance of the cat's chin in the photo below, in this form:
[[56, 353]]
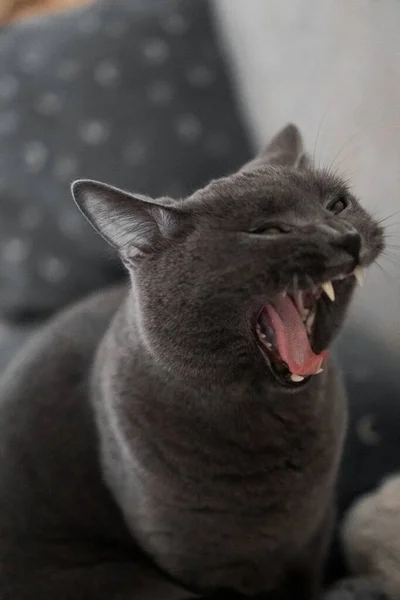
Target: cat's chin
[[293, 329]]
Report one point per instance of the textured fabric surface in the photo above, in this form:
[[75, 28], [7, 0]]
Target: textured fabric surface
[[131, 92]]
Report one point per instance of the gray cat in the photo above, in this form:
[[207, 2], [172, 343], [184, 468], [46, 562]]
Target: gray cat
[[187, 431]]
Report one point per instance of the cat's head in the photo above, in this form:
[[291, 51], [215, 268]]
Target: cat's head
[[252, 274]]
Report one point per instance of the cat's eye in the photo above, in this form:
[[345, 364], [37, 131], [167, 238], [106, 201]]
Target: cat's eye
[[270, 229], [337, 205]]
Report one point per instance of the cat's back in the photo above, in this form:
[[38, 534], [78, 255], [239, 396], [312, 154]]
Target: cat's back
[[51, 486], [60, 355]]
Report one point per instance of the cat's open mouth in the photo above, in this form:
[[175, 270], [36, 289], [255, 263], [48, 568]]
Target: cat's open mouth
[[286, 329]]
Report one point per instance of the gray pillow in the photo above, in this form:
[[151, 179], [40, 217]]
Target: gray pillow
[[132, 92]]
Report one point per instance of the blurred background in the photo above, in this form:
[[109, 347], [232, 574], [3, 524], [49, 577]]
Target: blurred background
[[160, 96]]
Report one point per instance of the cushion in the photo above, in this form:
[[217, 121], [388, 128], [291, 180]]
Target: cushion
[[132, 92]]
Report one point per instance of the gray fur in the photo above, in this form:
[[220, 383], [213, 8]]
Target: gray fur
[[149, 419]]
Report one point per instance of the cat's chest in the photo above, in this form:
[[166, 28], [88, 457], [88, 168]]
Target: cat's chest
[[201, 494], [173, 466]]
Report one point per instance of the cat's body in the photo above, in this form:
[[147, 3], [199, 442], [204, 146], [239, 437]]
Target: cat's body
[[222, 486], [61, 534], [198, 473], [221, 464]]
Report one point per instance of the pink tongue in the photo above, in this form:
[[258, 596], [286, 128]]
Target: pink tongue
[[292, 339]]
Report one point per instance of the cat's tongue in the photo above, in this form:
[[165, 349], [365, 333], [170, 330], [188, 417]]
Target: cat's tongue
[[292, 339]]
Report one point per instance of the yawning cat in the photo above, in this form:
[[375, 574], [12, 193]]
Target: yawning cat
[[192, 424]]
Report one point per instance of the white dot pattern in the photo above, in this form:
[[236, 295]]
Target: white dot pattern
[[94, 132], [53, 269], [155, 51], [15, 250], [35, 156], [175, 24], [32, 60], [65, 168], [366, 431], [189, 128], [48, 104], [106, 73], [200, 76], [160, 93], [68, 70], [60, 119]]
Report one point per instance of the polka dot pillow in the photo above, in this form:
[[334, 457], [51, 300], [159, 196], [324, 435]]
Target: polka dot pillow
[[131, 92]]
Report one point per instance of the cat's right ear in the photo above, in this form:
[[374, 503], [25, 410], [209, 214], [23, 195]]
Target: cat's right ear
[[133, 224], [285, 149]]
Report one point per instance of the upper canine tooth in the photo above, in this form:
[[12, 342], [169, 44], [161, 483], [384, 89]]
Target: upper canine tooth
[[359, 275], [328, 289], [296, 378]]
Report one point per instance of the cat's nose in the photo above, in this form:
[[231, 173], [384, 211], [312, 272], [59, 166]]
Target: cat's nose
[[343, 237], [346, 238], [350, 242]]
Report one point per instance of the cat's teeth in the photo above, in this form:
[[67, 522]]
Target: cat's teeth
[[310, 321], [359, 275], [328, 289], [262, 336], [296, 378], [319, 371]]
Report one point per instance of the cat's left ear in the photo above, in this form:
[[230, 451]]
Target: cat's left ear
[[285, 149], [133, 224]]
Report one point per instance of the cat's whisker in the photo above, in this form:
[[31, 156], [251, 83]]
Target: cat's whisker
[[390, 258], [380, 221], [345, 145], [328, 108], [311, 282], [295, 285], [383, 270]]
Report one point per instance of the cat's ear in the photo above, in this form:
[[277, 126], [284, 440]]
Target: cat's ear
[[285, 149], [133, 224], [304, 162]]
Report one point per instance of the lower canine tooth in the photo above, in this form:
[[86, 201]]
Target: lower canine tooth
[[359, 275], [328, 289], [296, 378]]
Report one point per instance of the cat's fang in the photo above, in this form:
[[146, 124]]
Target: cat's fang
[[296, 378], [359, 275], [328, 289], [310, 322]]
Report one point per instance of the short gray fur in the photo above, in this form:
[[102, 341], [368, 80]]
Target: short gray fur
[[147, 419]]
